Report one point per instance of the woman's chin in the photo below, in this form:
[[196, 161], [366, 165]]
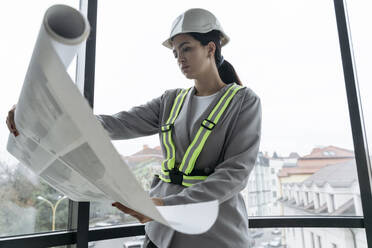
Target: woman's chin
[[188, 75]]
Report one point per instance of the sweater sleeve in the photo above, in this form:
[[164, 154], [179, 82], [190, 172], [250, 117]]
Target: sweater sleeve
[[231, 175], [139, 121]]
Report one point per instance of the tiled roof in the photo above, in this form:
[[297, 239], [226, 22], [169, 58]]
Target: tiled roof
[[147, 150], [146, 154], [287, 171], [317, 159], [329, 151], [337, 175]]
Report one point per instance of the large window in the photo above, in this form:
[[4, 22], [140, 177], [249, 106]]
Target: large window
[[289, 58], [287, 51]]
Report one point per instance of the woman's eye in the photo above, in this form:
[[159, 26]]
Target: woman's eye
[[183, 50]]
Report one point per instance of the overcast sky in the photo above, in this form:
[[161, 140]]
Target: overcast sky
[[286, 51]]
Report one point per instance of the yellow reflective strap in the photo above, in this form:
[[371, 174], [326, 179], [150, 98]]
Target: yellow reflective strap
[[195, 177], [196, 146], [196, 153], [168, 164], [198, 134], [172, 159], [186, 158], [179, 105], [220, 101], [165, 176], [167, 151], [190, 148], [227, 103], [200, 141], [164, 179], [174, 106], [191, 180]]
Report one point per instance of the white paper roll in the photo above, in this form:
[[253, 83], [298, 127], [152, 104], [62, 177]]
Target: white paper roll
[[66, 28]]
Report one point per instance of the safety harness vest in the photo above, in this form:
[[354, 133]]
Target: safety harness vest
[[185, 174]]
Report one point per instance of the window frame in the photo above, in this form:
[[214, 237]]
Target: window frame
[[79, 234]]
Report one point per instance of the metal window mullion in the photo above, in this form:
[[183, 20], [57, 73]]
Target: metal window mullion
[[306, 222], [85, 72], [82, 232], [103, 233], [90, 53], [356, 116], [39, 240]]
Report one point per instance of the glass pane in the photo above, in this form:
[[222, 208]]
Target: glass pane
[[287, 56], [26, 202], [306, 185], [102, 215], [309, 238], [130, 242], [359, 20], [276, 238], [306, 165]]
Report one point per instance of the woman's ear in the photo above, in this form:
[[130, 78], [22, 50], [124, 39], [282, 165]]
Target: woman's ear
[[211, 48]]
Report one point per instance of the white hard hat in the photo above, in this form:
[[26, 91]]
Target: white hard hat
[[196, 20]]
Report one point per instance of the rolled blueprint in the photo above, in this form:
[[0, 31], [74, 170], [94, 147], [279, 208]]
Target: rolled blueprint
[[62, 141]]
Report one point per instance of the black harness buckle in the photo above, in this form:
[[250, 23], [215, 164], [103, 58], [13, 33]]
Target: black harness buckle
[[176, 176], [166, 127], [207, 127]]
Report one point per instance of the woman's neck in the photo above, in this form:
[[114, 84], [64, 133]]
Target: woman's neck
[[208, 87]]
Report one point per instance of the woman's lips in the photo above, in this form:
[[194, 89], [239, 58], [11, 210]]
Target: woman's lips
[[184, 67]]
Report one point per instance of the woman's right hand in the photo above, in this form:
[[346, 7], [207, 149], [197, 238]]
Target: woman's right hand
[[10, 121], [142, 218]]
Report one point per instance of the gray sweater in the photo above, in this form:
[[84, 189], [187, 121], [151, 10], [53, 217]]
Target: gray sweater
[[230, 151]]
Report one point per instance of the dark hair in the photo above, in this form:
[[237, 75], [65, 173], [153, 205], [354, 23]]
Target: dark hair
[[225, 69]]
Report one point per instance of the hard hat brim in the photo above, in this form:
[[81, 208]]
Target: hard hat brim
[[168, 43]]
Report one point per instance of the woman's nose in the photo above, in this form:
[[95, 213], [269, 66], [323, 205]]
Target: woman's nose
[[181, 58]]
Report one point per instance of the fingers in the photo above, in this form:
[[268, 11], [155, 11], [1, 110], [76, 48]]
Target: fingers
[[145, 220], [142, 218], [10, 122], [123, 208], [157, 201]]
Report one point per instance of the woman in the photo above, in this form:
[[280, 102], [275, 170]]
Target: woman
[[209, 133]]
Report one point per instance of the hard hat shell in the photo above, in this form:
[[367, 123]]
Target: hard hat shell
[[196, 20]]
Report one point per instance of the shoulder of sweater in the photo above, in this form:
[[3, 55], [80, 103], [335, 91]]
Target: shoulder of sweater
[[247, 94], [171, 92]]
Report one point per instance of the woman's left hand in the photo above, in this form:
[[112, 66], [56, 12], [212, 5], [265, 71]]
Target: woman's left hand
[[142, 218]]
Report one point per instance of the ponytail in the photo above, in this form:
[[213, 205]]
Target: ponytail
[[227, 73]]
